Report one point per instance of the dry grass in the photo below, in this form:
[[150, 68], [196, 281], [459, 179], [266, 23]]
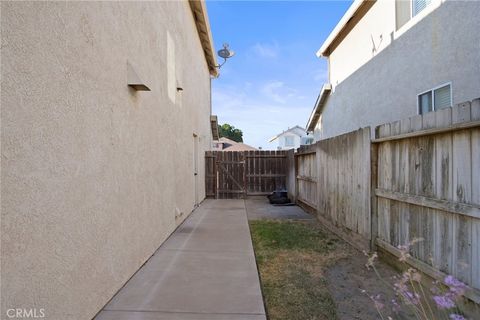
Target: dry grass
[[292, 258]]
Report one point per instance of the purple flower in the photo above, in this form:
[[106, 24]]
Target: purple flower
[[457, 291], [444, 302], [455, 316], [453, 282], [457, 288]]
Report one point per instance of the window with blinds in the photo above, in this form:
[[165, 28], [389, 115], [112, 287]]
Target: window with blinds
[[435, 99], [442, 97], [418, 6]]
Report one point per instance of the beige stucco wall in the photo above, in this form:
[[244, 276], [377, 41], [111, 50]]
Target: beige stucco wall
[[440, 47], [369, 36], [91, 171]]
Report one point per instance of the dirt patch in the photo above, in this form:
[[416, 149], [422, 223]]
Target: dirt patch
[[351, 285]]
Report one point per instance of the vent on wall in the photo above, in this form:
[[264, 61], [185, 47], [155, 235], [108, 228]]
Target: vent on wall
[[134, 81]]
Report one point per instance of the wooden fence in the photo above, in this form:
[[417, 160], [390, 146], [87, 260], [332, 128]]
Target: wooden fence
[[428, 186], [306, 175], [419, 178], [237, 174], [333, 179]]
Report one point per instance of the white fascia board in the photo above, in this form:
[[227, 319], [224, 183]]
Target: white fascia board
[[326, 88], [340, 25]]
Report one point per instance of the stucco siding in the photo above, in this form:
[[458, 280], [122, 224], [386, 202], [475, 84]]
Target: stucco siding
[[369, 36], [92, 171], [442, 47]]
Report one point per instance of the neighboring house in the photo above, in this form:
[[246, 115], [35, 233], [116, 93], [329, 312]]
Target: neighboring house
[[388, 60], [225, 144], [292, 138], [97, 172]]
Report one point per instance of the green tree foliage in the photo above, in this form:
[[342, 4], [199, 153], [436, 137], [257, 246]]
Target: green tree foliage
[[230, 132]]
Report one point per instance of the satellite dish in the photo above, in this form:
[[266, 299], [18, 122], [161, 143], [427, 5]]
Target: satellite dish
[[225, 53]]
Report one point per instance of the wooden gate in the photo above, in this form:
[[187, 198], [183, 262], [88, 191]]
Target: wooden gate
[[230, 177], [237, 174]]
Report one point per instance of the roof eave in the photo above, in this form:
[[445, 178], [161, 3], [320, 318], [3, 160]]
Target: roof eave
[[317, 109], [273, 139], [199, 11], [214, 127], [344, 23], [287, 131]]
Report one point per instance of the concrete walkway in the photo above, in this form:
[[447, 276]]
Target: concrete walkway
[[205, 270]]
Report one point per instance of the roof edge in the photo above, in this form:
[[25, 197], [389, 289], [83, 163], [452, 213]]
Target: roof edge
[[342, 25], [273, 139], [286, 131], [200, 16], [312, 120], [214, 127]]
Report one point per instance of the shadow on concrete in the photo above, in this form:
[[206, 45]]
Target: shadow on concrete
[[260, 208]]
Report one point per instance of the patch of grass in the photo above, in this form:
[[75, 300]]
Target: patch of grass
[[292, 257], [269, 236]]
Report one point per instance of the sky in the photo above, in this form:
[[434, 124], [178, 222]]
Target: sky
[[272, 82]]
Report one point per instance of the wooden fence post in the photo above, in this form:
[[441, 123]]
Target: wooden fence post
[[373, 196], [245, 168], [295, 173], [217, 178]]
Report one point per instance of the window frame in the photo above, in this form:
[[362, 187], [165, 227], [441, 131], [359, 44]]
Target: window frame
[[434, 4], [433, 96], [293, 141]]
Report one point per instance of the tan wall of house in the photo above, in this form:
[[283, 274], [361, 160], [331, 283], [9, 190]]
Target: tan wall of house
[[365, 40], [439, 48], [92, 172]]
